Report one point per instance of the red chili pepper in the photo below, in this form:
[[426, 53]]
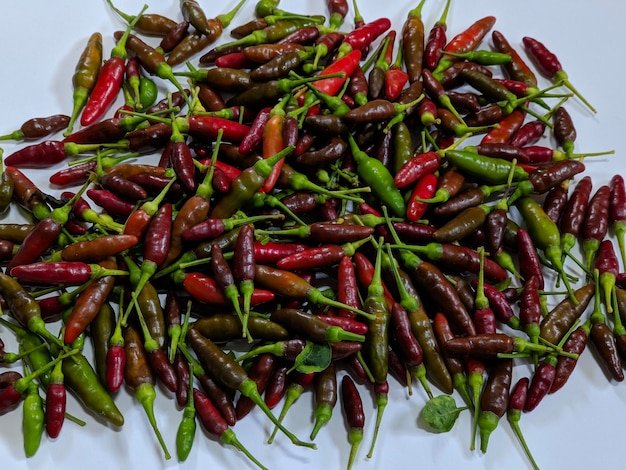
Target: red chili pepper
[[465, 41], [346, 64], [360, 38], [325, 255], [425, 188], [109, 81], [420, 165], [56, 399], [506, 128], [205, 289]]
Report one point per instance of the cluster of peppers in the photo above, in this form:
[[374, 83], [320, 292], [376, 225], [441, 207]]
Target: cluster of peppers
[[313, 202]]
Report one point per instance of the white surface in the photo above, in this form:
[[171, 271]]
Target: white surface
[[579, 427]]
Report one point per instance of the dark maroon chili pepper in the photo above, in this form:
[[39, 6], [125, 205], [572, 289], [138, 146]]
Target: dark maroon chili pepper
[[596, 223], [564, 130], [517, 401], [244, 266], [484, 316], [427, 276], [604, 341], [501, 150], [226, 280], [550, 66], [44, 234], [110, 202], [501, 306], [214, 423], [38, 128], [528, 259], [555, 201], [465, 291], [325, 155], [261, 372], [607, 264], [573, 216], [436, 40], [487, 115], [123, 187], [305, 36], [354, 415], [494, 399], [576, 343], [277, 386], [528, 134], [149, 139], [408, 346], [183, 374], [221, 398], [541, 382], [530, 308], [617, 211], [174, 36]]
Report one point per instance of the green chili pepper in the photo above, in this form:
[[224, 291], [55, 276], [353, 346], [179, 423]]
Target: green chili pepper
[[187, 427], [33, 420], [546, 236], [489, 170], [377, 176], [148, 92]]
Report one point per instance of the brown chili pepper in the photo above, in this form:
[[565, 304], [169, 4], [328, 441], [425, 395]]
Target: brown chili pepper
[[561, 318]]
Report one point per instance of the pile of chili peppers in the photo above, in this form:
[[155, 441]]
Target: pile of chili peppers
[[323, 204]]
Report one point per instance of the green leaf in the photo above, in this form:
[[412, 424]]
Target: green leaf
[[441, 412], [314, 358]]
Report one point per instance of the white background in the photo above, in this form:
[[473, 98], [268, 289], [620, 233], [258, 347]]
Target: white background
[[580, 427]]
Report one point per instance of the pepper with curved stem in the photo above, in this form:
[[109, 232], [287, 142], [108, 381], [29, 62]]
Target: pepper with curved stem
[[550, 66]]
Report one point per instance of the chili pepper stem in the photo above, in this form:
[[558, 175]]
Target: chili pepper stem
[[381, 402], [513, 419], [146, 395], [229, 437], [249, 389]]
